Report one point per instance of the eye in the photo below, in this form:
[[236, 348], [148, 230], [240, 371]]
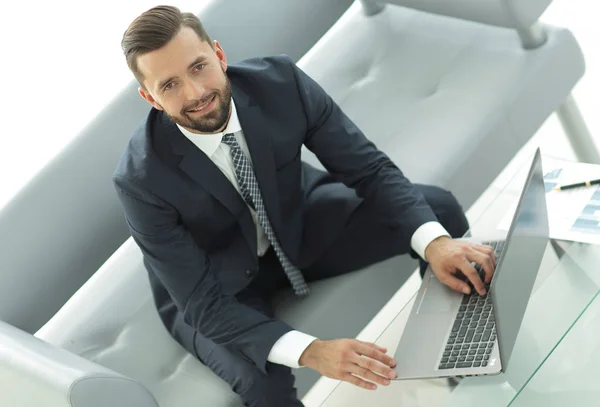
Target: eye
[[199, 67], [169, 85]]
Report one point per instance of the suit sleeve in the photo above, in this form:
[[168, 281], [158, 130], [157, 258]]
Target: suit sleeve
[[349, 156], [185, 271]]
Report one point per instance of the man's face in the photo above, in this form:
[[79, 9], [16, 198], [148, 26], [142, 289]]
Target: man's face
[[186, 78]]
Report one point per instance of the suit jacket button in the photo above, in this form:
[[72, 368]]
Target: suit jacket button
[[249, 273]]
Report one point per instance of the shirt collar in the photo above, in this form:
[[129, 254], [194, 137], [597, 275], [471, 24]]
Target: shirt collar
[[209, 143]]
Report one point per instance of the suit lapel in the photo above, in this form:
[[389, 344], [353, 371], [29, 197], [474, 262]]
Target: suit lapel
[[202, 170]]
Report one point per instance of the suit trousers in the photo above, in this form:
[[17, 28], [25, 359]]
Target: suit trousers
[[365, 240]]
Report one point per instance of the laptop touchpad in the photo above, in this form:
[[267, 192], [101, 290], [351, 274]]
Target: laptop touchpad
[[437, 298]]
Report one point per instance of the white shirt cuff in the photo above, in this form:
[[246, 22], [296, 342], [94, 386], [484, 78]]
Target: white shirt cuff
[[288, 349], [425, 234]]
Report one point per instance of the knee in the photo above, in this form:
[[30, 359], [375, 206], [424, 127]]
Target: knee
[[448, 203], [449, 212], [273, 389]]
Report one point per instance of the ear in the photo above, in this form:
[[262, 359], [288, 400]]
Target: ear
[[221, 55], [148, 98]]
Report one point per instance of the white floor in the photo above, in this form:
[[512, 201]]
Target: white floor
[[578, 16]]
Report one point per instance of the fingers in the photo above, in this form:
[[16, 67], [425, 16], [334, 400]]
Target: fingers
[[374, 352], [365, 373], [372, 361], [455, 283], [485, 256], [487, 250], [357, 381], [381, 349], [473, 276], [368, 361], [459, 257]]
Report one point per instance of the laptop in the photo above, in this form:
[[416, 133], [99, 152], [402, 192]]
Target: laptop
[[452, 334]]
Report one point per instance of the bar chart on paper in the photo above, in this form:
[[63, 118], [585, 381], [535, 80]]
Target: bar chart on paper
[[574, 214], [588, 220], [577, 210]]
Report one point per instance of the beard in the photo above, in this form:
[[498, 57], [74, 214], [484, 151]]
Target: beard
[[212, 121]]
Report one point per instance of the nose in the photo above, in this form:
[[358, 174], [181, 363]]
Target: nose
[[193, 91]]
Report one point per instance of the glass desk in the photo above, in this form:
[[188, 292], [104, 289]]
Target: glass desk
[[556, 358]]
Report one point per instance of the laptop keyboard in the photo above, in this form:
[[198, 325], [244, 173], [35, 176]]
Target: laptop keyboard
[[473, 333]]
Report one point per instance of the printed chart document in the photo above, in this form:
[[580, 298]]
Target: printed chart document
[[573, 214]]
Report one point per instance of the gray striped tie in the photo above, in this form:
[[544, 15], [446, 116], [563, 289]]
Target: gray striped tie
[[251, 193]]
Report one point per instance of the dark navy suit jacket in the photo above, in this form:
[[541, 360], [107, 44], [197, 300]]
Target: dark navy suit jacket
[[196, 232]]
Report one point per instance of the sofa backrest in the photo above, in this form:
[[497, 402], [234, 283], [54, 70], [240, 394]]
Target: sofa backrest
[[519, 14]]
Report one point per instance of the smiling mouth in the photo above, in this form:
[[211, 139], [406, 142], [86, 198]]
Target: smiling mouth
[[203, 106]]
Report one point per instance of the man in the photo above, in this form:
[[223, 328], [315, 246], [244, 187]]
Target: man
[[225, 212]]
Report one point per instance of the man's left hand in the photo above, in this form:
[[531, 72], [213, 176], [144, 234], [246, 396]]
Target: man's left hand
[[446, 256]]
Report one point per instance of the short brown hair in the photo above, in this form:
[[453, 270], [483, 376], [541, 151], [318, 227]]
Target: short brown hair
[[153, 29]]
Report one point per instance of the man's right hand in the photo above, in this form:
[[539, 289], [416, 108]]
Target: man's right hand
[[350, 360]]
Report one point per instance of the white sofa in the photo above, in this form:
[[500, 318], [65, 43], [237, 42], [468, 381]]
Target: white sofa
[[450, 99]]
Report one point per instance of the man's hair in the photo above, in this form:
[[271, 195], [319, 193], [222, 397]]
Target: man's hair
[[153, 29]]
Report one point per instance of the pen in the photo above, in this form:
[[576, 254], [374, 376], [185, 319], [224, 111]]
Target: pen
[[577, 185]]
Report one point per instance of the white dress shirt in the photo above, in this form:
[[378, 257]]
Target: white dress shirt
[[288, 349]]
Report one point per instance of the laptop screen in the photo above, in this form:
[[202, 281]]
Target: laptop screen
[[518, 266]]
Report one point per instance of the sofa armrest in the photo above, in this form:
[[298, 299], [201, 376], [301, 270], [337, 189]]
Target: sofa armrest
[[36, 373]]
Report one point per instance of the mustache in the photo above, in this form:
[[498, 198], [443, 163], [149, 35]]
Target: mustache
[[199, 103]]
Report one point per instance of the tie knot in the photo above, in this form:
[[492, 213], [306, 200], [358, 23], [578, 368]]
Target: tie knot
[[229, 139]]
